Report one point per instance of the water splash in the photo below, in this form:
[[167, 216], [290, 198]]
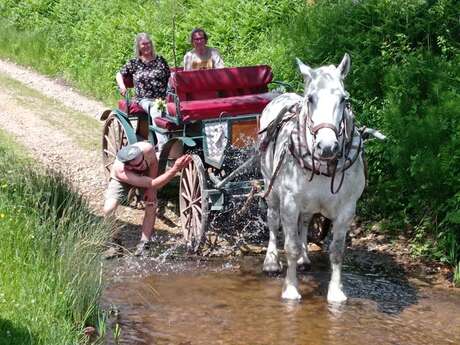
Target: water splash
[[170, 252]]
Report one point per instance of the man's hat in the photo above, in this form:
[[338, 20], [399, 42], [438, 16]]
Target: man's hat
[[128, 153]]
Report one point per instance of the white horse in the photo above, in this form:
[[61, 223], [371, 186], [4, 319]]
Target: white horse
[[311, 161]]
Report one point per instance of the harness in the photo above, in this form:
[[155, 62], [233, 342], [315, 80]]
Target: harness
[[272, 131], [352, 145]]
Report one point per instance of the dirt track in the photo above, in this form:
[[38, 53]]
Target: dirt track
[[20, 117], [27, 116]]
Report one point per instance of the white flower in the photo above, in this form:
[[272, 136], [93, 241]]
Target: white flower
[[160, 104]]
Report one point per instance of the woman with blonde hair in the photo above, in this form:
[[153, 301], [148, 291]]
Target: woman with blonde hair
[[150, 73]]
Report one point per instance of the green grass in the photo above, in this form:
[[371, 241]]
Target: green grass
[[24, 48], [50, 244], [84, 130], [457, 275]]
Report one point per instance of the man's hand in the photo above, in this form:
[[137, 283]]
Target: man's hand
[[182, 162]]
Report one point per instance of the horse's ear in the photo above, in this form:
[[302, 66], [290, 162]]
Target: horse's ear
[[344, 66], [306, 71]]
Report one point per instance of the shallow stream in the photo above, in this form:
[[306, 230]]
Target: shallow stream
[[196, 301]]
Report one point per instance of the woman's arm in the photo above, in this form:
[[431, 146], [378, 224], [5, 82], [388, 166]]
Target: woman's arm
[[216, 59], [188, 61], [120, 83]]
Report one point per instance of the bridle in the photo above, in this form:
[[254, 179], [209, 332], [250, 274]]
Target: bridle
[[305, 154], [314, 129], [300, 150]]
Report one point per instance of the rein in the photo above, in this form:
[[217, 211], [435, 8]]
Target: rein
[[301, 152], [272, 131]]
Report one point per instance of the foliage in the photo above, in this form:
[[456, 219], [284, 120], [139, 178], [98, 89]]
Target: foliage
[[50, 246], [457, 275], [404, 79]]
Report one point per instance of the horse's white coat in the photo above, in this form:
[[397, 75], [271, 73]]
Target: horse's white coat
[[294, 199]]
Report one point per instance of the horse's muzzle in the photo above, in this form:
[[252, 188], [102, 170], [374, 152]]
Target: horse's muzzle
[[327, 151]]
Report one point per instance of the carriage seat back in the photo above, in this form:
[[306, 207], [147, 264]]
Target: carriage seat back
[[205, 94], [221, 82]]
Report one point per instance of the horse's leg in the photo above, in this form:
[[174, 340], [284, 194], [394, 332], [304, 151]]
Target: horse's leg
[[304, 222], [289, 220], [272, 262], [340, 228]]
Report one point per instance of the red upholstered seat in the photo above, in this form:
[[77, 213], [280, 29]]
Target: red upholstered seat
[[228, 106], [134, 107], [206, 94], [163, 122]]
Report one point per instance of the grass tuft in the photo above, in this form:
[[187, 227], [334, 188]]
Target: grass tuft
[[50, 246]]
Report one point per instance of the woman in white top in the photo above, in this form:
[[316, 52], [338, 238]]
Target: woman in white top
[[201, 56]]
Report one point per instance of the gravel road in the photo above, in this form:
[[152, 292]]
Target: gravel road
[[53, 147]]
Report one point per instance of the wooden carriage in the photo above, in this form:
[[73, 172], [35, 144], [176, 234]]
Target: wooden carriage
[[210, 114]]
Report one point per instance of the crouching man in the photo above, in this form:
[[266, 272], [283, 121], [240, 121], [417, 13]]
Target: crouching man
[[136, 165]]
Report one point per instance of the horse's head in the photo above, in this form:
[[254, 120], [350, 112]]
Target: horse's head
[[324, 115]]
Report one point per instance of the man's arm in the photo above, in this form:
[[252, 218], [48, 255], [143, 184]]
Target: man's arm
[[150, 156], [136, 180]]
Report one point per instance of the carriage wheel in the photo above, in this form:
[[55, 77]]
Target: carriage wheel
[[193, 203], [113, 139], [319, 227]]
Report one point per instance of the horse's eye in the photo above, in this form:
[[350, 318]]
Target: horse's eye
[[310, 98]]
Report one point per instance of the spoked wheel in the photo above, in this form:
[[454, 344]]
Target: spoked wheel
[[193, 203], [319, 227], [113, 139]]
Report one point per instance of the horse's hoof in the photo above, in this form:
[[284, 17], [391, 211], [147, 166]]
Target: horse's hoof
[[336, 296], [272, 266], [291, 293]]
